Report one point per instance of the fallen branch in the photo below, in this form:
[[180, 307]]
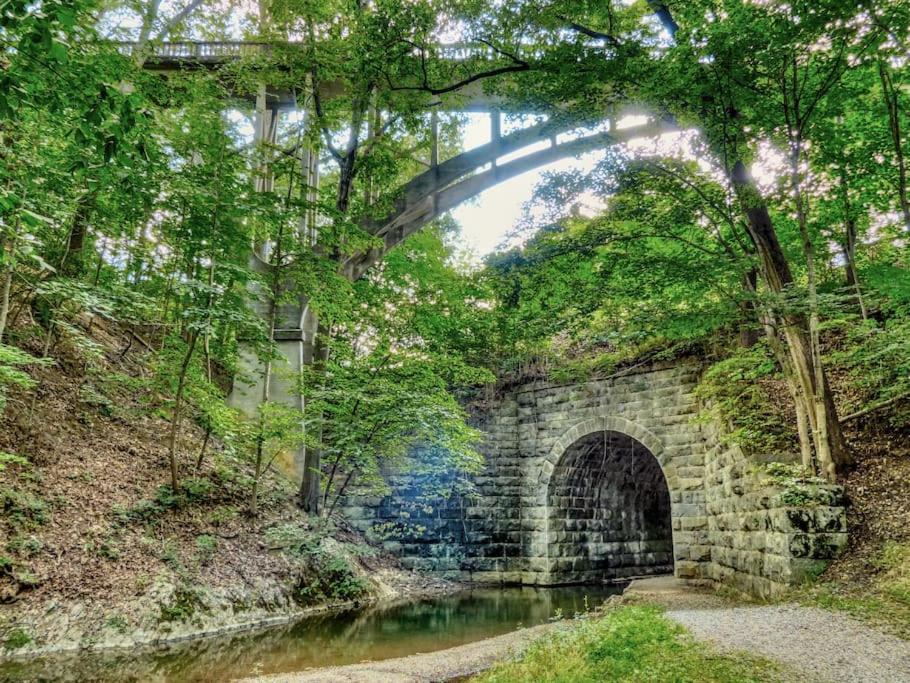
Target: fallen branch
[[141, 340], [875, 407]]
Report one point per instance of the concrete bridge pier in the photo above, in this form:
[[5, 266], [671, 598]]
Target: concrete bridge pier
[[294, 344]]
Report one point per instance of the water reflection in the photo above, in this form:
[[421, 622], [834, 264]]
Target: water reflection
[[342, 638]]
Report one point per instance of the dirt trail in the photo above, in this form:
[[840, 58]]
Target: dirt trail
[[821, 645]]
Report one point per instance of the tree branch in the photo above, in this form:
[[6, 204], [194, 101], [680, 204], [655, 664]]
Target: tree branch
[[175, 21], [517, 65], [876, 406], [591, 33], [665, 16]]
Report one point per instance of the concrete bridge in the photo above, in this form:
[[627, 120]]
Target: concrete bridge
[[444, 185], [606, 480]]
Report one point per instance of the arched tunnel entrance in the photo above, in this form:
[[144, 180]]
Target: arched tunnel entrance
[[608, 511]]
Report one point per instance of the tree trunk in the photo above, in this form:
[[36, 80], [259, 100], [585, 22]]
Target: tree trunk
[[822, 443], [7, 285], [149, 17], [178, 406], [748, 333], [308, 496], [4, 298], [776, 273], [890, 93], [849, 248], [72, 264], [205, 442]]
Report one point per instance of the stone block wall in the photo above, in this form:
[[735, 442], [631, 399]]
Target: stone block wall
[[759, 542], [603, 480]]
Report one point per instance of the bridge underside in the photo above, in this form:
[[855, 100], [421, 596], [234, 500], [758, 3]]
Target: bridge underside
[[609, 512]]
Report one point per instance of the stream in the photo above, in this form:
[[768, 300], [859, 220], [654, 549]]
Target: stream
[[368, 634]]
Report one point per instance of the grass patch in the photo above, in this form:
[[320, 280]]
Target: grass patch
[[886, 604], [16, 638], [633, 643]]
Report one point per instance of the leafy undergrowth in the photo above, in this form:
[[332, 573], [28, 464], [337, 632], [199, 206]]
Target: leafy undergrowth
[[87, 514], [632, 643]]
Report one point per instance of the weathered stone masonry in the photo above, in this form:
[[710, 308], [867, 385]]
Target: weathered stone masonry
[[601, 480]]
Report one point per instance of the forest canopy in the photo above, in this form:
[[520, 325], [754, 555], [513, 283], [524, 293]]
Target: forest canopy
[[763, 226]]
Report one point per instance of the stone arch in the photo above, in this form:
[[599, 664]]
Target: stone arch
[[605, 423], [608, 503]]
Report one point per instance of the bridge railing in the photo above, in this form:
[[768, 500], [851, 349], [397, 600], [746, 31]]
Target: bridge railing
[[209, 51], [216, 51]]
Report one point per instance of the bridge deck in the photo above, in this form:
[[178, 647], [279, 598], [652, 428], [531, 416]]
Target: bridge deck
[[189, 55]]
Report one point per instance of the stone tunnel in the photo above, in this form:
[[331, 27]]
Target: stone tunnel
[[606, 480], [608, 511]]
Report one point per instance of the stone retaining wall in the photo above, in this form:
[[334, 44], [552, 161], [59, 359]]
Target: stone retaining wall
[[552, 508]]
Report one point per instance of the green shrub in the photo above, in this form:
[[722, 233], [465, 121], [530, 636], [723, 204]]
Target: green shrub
[[22, 509], [109, 548], [25, 544], [169, 553], [184, 605], [143, 511], [327, 574], [12, 376], [16, 638], [877, 359], [293, 539], [196, 489], [206, 546], [222, 514], [800, 489], [733, 393], [11, 459], [91, 396], [118, 623]]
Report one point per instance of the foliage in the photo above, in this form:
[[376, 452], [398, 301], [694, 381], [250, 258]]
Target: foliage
[[11, 459], [878, 361], [388, 394], [800, 488], [329, 576], [619, 284], [12, 360], [206, 546], [16, 638], [21, 508], [884, 601], [628, 644], [326, 566], [732, 391], [185, 604], [194, 491]]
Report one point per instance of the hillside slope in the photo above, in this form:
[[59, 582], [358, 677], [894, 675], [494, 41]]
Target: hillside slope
[[96, 549]]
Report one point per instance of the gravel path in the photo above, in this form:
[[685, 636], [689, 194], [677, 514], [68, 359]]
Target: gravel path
[[444, 665], [825, 645]]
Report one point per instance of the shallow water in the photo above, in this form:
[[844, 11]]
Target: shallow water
[[372, 633]]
